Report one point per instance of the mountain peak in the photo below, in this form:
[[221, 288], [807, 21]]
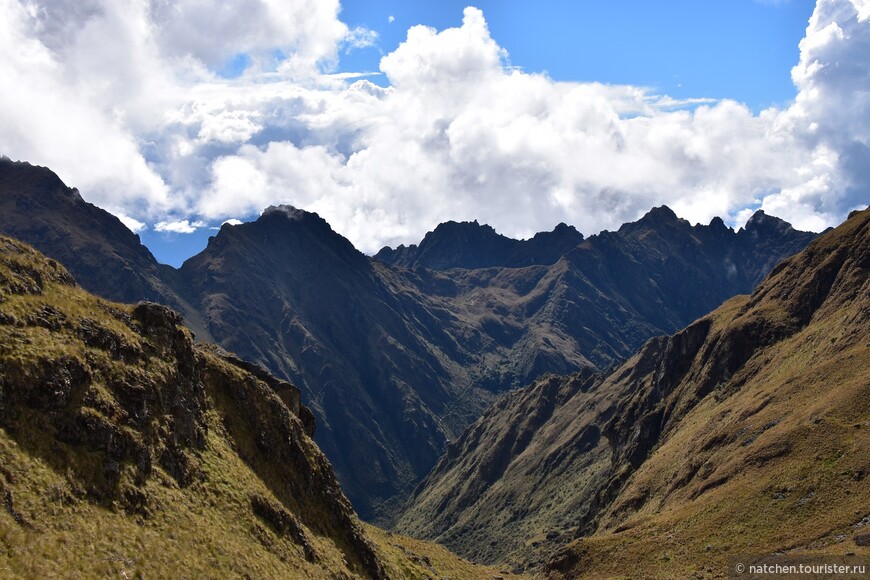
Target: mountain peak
[[462, 232], [762, 221], [661, 214], [658, 218], [463, 225], [35, 180], [473, 245], [287, 211], [718, 223]]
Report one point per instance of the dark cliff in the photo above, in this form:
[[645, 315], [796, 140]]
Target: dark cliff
[[665, 462]]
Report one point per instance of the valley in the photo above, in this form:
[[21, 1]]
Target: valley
[[532, 413]]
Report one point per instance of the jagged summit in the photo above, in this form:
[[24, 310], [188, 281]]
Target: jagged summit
[[660, 214], [761, 221], [743, 433], [284, 234], [473, 245], [396, 360], [718, 223], [289, 211], [658, 218], [36, 180]]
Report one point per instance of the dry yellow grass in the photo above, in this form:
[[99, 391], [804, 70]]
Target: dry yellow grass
[[91, 403]]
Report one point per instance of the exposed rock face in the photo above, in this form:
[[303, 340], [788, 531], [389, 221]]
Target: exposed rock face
[[114, 396], [471, 246], [104, 256], [396, 361], [683, 445]]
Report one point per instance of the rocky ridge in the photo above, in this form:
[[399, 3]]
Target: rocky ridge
[[754, 417], [472, 246], [396, 361], [126, 449]]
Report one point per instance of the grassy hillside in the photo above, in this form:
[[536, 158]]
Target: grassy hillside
[[774, 458], [744, 433], [126, 450]]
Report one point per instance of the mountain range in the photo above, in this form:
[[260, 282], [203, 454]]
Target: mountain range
[[685, 395], [745, 433], [397, 354], [127, 450]]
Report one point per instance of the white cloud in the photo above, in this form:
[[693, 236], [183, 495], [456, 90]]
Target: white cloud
[[831, 114], [133, 225], [122, 99], [228, 127], [360, 37], [460, 136], [179, 227], [47, 117], [308, 32]]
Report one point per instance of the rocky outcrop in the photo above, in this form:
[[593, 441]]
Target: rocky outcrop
[[472, 246], [115, 396], [711, 416], [397, 360]]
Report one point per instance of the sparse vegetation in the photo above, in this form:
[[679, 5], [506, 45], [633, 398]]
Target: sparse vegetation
[[743, 434], [127, 451]]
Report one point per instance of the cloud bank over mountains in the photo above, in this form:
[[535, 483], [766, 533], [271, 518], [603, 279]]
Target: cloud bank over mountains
[[175, 118]]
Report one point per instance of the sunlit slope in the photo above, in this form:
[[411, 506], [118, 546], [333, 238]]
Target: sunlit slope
[[745, 431], [764, 441], [125, 449]]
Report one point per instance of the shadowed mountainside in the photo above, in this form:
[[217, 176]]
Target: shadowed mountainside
[[104, 256], [396, 361], [126, 449], [471, 246], [744, 433]]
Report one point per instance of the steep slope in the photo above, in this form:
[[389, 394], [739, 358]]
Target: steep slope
[[125, 449], [377, 359], [744, 433], [471, 245], [395, 361], [104, 256]]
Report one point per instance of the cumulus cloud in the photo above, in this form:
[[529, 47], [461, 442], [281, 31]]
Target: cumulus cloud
[[47, 117], [307, 32], [832, 116], [123, 99], [133, 225], [179, 227]]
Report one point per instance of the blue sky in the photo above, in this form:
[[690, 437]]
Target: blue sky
[[738, 49], [179, 117]]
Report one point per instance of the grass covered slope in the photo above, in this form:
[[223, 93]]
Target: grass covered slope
[[745, 432], [764, 441], [397, 361], [127, 449]]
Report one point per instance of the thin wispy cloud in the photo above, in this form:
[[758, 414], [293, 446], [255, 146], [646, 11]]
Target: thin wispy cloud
[[125, 101]]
